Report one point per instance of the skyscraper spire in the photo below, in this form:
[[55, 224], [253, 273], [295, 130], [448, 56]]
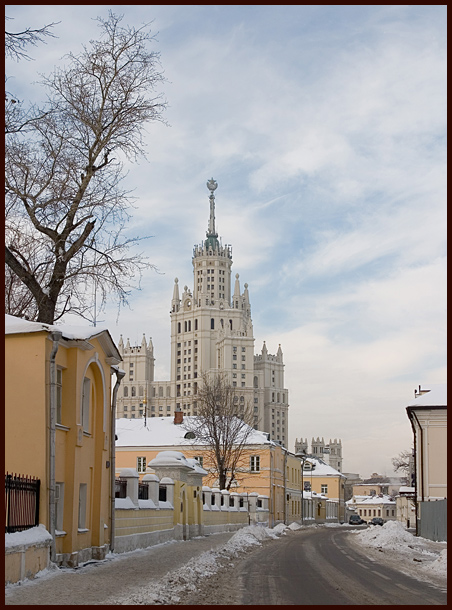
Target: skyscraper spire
[[212, 235]]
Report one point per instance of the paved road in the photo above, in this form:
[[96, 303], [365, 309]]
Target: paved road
[[102, 582], [319, 567]]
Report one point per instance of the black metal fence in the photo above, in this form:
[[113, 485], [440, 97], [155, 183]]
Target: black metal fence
[[143, 491], [21, 502], [120, 488]]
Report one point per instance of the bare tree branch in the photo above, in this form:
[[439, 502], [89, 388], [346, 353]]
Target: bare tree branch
[[223, 425], [63, 177]]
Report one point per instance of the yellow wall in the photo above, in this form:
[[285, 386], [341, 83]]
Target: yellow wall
[[269, 481], [27, 438]]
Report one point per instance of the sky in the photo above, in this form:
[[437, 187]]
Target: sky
[[325, 128]]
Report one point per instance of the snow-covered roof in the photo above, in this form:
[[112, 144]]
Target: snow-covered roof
[[15, 325], [163, 432], [376, 499], [437, 397], [404, 489], [321, 469]]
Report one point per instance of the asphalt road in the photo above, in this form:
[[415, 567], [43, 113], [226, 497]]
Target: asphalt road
[[319, 567]]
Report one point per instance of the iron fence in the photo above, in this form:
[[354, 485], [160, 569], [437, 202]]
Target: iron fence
[[143, 491], [120, 488], [21, 502]]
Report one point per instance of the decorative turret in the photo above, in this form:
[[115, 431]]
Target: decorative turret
[[264, 350], [279, 355], [121, 345], [175, 303]]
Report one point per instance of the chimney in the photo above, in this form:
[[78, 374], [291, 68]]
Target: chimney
[[178, 416]]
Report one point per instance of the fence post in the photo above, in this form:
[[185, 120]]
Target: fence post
[[132, 477]]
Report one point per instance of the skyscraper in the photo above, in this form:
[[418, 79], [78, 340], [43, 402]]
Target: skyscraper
[[211, 331]]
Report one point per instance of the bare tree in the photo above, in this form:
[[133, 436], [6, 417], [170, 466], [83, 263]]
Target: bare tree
[[64, 168], [403, 462], [223, 425], [17, 42]]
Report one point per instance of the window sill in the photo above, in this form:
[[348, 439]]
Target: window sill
[[82, 530], [61, 427], [59, 533]]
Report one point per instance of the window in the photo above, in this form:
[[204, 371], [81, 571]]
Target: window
[[125, 407], [59, 396], [126, 391], [59, 506], [255, 463], [212, 324], [82, 506], [199, 459], [324, 488], [141, 464], [134, 391], [85, 403]]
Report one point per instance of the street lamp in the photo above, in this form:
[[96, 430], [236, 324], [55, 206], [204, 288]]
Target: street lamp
[[303, 459]]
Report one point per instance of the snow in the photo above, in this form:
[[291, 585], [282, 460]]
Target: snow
[[35, 535], [413, 553], [163, 432], [415, 556], [14, 325]]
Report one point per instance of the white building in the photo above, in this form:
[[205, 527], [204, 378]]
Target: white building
[[330, 453], [211, 331]]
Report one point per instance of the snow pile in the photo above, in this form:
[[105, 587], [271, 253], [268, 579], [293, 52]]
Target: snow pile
[[392, 535], [415, 555], [438, 566], [38, 536], [279, 529], [170, 589], [294, 526]]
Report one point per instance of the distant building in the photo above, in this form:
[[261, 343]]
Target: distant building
[[330, 453], [375, 505], [211, 331]]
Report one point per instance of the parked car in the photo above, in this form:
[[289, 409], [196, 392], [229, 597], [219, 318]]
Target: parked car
[[377, 521], [356, 520]]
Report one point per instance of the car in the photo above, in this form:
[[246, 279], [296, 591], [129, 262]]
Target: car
[[377, 521], [356, 520]]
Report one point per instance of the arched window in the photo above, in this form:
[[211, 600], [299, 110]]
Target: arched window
[[153, 392], [178, 327], [185, 326], [126, 391], [212, 323], [160, 391], [196, 324], [230, 324], [140, 391], [189, 325], [134, 392], [256, 382], [168, 391], [222, 323]]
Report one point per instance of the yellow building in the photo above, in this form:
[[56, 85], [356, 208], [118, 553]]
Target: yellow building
[[321, 479], [263, 468], [58, 388]]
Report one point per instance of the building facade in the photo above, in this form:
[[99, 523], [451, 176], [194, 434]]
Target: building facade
[[330, 453], [60, 430], [211, 332]]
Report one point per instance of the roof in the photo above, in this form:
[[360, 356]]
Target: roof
[[376, 499], [163, 432], [71, 333], [437, 397], [322, 469]]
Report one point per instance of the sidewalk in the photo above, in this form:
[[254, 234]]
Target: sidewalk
[[103, 582]]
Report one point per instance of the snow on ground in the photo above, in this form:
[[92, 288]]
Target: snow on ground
[[414, 555], [417, 557], [169, 590]]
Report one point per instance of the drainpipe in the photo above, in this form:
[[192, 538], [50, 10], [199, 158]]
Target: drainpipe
[[285, 487], [119, 375], [421, 458], [56, 337]]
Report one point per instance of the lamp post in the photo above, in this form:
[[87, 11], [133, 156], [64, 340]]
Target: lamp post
[[303, 458]]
